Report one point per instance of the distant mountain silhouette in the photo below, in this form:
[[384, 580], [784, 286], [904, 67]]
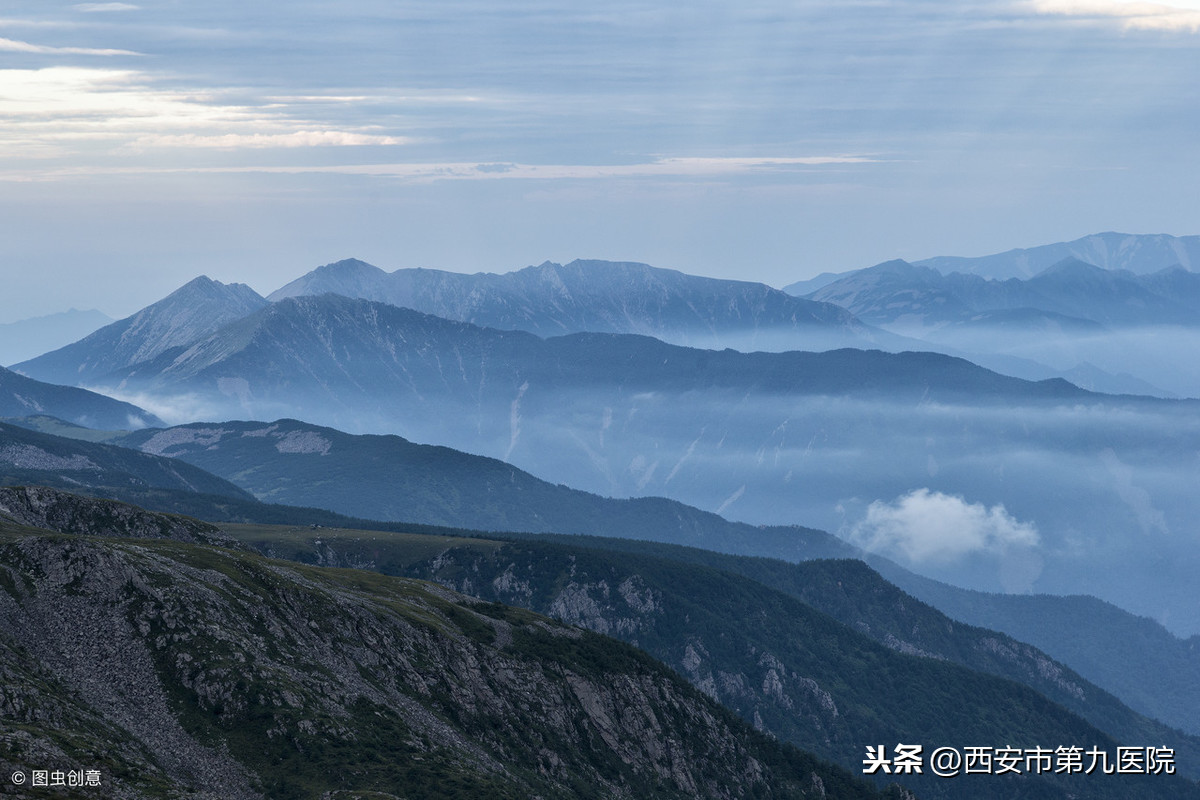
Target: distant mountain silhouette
[[1140, 254], [1070, 291], [27, 338]]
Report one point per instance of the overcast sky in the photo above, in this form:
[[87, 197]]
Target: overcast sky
[[145, 143]]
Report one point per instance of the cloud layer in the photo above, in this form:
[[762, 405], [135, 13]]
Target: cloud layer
[[1174, 16], [17, 46], [64, 112], [768, 139]]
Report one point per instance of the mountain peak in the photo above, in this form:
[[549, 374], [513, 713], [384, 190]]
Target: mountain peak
[[895, 263], [1071, 267], [191, 312], [896, 266], [896, 269], [349, 265], [205, 287], [350, 276]]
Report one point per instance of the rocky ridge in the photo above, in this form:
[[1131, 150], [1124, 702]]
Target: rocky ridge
[[186, 670], [64, 512]]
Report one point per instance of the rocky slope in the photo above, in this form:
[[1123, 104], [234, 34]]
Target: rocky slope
[[183, 670], [189, 313], [789, 669], [56, 510]]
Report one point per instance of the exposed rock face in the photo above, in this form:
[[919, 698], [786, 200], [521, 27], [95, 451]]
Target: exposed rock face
[[1032, 659], [762, 688], [196, 671], [52, 509]]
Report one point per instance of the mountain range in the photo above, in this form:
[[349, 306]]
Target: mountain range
[[604, 297], [1137, 253], [763, 438], [1112, 312], [1071, 296], [420, 484], [1140, 254], [548, 300]]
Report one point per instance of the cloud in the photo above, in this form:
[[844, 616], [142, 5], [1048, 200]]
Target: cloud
[[16, 46], [927, 527], [91, 8], [322, 138], [1149, 518], [427, 172], [1172, 16], [172, 409], [668, 167], [58, 111]]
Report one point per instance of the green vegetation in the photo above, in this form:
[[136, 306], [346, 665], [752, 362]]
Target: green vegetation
[[807, 677], [321, 680], [391, 478], [763, 650]]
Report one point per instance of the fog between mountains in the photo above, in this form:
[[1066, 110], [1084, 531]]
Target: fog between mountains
[[1161, 356], [1106, 484]]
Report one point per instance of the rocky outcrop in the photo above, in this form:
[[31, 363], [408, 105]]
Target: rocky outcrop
[[64, 512]]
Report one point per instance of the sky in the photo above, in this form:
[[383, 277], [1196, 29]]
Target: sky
[[145, 143]]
